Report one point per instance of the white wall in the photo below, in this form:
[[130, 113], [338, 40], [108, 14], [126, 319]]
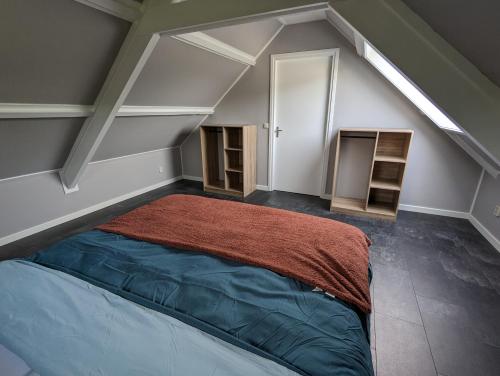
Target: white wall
[[439, 175], [35, 202]]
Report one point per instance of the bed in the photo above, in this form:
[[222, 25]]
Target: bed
[[194, 286]]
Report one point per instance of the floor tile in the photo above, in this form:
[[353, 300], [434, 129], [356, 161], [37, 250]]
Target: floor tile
[[454, 345], [402, 348], [450, 266], [394, 293]]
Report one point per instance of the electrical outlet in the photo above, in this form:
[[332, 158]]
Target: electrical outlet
[[160, 169], [497, 211]]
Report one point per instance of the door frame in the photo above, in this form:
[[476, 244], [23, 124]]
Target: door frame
[[328, 135]]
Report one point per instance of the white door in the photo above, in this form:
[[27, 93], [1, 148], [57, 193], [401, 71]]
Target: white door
[[300, 112]]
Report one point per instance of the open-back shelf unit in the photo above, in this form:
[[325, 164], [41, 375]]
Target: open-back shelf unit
[[229, 155], [388, 164]]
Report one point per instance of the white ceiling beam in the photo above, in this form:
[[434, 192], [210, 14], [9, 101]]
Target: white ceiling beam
[[129, 63], [181, 17], [359, 43], [172, 18], [40, 111], [129, 10], [296, 18], [207, 43], [163, 111]]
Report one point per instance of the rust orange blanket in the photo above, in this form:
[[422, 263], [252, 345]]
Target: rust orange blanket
[[317, 251]]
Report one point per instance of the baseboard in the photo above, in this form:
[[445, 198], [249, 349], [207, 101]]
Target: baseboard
[[435, 211], [80, 213], [199, 178], [485, 232], [193, 178]]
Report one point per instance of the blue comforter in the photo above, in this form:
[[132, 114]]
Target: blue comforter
[[253, 308]]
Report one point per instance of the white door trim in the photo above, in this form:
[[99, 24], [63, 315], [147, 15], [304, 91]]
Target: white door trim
[[334, 53]]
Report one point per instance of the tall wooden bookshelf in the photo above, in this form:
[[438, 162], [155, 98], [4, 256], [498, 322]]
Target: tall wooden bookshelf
[[229, 157], [388, 165]]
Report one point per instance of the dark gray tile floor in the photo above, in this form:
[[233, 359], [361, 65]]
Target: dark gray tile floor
[[435, 292]]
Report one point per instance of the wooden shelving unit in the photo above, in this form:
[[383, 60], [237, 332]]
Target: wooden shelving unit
[[229, 155], [388, 164]]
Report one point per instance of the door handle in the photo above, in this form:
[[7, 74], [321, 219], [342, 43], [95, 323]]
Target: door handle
[[278, 130]]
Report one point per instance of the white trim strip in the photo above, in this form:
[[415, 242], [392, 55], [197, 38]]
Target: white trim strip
[[480, 181], [80, 213], [263, 188], [207, 43], [163, 111], [199, 178], [40, 111], [485, 232], [125, 9], [91, 163], [192, 178], [44, 226], [435, 211]]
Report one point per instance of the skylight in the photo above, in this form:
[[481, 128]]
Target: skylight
[[408, 89]]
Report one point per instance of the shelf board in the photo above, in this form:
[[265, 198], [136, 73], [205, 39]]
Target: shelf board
[[233, 149], [353, 204], [239, 170], [388, 158], [220, 184], [382, 209], [391, 185]]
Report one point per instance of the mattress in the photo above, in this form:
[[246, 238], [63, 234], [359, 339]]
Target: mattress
[[61, 325], [176, 288]]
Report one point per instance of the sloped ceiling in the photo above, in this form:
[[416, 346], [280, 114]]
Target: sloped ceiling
[[451, 81], [32, 145], [41, 63], [178, 74], [472, 27], [238, 36], [55, 51], [131, 135]]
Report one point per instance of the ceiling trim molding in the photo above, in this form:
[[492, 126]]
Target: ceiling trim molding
[[40, 111], [308, 16], [129, 10], [163, 111], [207, 43]]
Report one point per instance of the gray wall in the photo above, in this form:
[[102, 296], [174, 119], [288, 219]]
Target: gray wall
[[36, 199], [439, 175], [55, 51], [32, 145], [131, 135], [488, 197]]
